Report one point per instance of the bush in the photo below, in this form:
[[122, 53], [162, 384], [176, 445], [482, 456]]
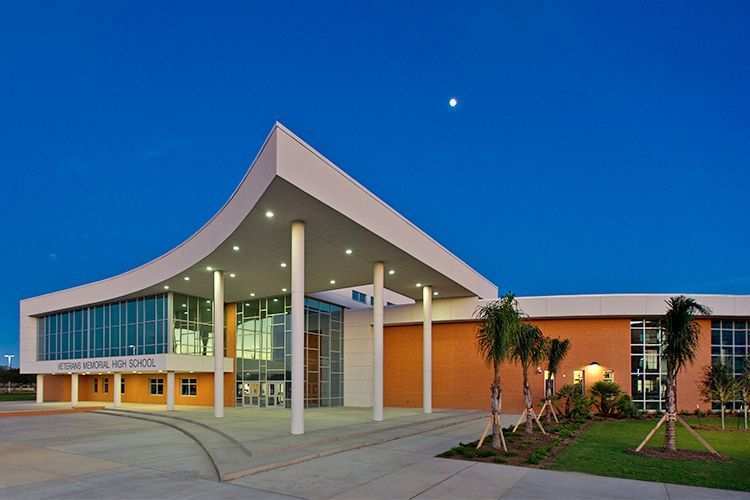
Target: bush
[[605, 395], [575, 404], [538, 455], [625, 407]]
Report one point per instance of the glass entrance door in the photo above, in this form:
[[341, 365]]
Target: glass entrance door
[[276, 395]]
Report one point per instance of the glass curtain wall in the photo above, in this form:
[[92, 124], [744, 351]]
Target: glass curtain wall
[[264, 362], [193, 325], [729, 347], [647, 369], [126, 328]]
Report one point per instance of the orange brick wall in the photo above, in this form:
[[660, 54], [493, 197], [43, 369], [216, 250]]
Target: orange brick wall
[[56, 388], [461, 378], [86, 388], [688, 394]]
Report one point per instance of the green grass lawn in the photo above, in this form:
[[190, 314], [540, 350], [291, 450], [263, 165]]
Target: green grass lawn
[[17, 396], [602, 449]]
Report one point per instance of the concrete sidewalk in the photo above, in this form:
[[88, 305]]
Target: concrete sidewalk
[[346, 456], [407, 468]]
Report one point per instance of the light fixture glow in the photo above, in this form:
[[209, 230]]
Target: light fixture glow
[[184, 305], [232, 275], [435, 294], [452, 102], [236, 248], [252, 294], [283, 264], [392, 272], [348, 251], [419, 285], [209, 268], [333, 282], [186, 278], [269, 214], [275, 300], [166, 287], [283, 290]]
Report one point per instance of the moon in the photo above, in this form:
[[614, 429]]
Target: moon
[[452, 102]]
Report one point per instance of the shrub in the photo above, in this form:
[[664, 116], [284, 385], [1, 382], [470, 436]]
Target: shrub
[[576, 406], [625, 407], [538, 455], [605, 395]]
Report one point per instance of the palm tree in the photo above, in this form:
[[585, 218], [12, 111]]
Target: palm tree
[[499, 322], [530, 347], [679, 343], [718, 384], [556, 351]]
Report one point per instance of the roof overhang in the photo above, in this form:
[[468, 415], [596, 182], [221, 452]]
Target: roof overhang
[[296, 182]]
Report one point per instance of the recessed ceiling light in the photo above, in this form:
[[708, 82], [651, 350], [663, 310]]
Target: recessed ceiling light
[[419, 285], [252, 294], [208, 301], [184, 305], [333, 282], [348, 251], [166, 287], [269, 214], [283, 264], [392, 272], [247, 305], [209, 268], [276, 300], [435, 293], [283, 289], [236, 248], [186, 278], [232, 275]]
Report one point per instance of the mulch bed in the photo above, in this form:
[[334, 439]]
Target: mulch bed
[[529, 450], [662, 453]]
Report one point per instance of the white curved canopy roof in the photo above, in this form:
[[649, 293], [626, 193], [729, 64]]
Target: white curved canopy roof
[[296, 182]]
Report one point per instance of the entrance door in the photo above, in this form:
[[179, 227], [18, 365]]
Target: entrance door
[[251, 394], [276, 395]]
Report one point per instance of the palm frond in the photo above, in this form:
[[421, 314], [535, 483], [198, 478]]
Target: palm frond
[[499, 321], [681, 331], [530, 346], [556, 352]]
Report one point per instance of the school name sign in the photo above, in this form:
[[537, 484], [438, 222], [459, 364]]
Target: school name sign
[[124, 363]]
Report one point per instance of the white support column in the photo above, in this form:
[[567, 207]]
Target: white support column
[[117, 390], [427, 349], [377, 331], [298, 327], [40, 388], [74, 389], [218, 344], [170, 391]]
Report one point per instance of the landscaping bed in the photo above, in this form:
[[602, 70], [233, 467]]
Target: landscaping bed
[[532, 450]]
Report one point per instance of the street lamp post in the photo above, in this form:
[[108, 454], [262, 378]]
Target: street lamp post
[[9, 357]]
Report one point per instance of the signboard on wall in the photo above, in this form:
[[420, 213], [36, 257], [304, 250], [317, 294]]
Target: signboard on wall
[[152, 362]]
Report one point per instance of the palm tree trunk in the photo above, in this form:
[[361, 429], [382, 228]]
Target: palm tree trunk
[[527, 400], [670, 440], [722, 416], [495, 392], [548, 399]]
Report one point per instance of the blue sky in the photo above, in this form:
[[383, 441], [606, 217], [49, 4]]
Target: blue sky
[[595, 147]]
